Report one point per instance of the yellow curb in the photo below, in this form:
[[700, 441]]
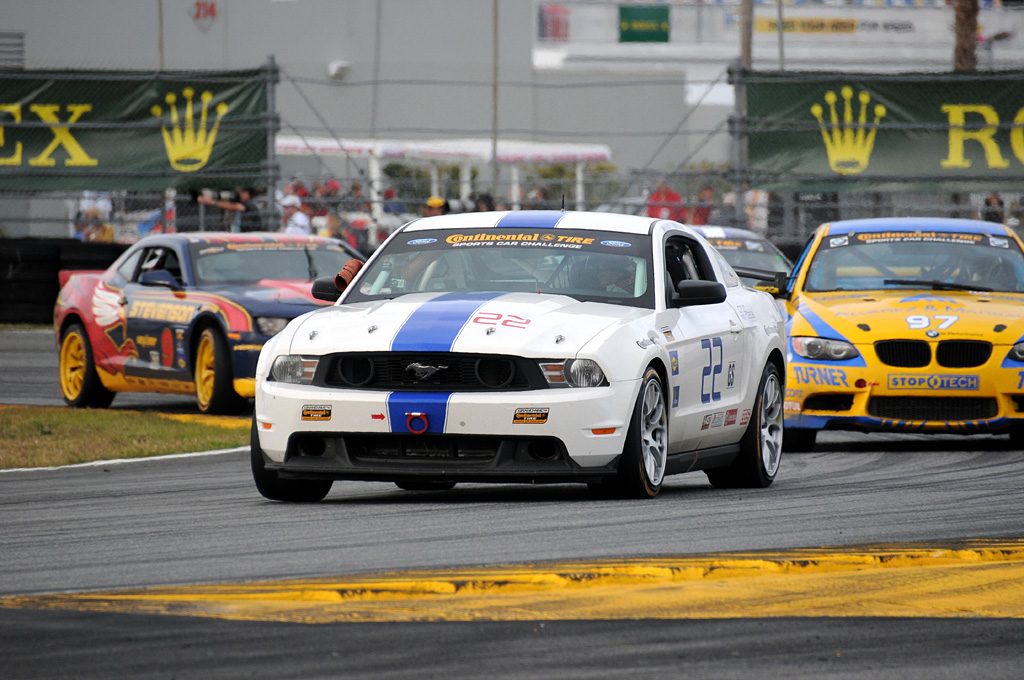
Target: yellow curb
[[225, 422], [972, 579]]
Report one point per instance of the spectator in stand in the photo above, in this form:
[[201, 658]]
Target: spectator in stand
[[325, 198], [484, 203], [537, 199], [391, 204], [705, 204], [97, 229], [992, 211], [294, 220], [666, 204], [249, 218], [354, 201], [435, 205]]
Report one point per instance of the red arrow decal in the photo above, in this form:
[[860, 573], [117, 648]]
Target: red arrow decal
[[377, 416]]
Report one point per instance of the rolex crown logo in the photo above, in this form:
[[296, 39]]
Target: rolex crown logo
[[189, 149], [848, 142]]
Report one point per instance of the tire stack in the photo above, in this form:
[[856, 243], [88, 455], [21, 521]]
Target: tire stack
[[29, 268]]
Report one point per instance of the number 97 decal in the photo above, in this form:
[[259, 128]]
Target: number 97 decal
[[921, 321], [711, 371]]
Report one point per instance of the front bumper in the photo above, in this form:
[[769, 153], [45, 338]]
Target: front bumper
[[932, 399], [532, 435]]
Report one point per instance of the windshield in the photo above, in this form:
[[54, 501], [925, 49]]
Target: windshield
[[750, 254], [588, 266], [931, 260], [255, 261]]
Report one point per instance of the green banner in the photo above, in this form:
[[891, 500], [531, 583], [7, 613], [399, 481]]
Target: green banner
[[873, 132], [75, 130], [643, 23]]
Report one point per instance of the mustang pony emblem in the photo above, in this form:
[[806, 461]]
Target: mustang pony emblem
[[422, 372]]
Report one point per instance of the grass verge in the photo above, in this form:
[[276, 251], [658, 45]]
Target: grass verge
[[32, 436]]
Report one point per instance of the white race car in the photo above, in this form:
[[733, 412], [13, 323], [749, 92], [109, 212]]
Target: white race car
[[530, 346]]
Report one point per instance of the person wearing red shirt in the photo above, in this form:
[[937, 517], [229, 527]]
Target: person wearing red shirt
[[666, 204]]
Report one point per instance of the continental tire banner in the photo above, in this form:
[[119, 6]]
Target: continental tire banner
[[75, 130], [891, 132]]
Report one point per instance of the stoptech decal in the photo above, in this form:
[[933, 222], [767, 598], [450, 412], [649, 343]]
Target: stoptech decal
[[435, 325], [933, 382]]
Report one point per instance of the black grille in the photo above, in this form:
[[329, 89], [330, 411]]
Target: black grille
[[904, 353], [963, 353], [431, 371], [829, 402], [933, 408]]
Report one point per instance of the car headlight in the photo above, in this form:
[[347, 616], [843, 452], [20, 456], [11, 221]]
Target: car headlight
[[823, 348], [1017, 352], [295, 369], [573, 373], [270, 325]]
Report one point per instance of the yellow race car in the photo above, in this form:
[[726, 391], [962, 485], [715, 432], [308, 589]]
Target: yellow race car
[[906, 325]]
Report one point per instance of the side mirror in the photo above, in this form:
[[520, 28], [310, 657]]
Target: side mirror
[[692, 293], [330, 288], [159, 277], [324, 289]]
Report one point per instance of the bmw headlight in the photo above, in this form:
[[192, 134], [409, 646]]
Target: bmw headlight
[[295, 369], [824, 348], [1017, 352], [270, 325], [573, 373]]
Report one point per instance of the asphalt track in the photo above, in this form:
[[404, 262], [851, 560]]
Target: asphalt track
[[874, 556]]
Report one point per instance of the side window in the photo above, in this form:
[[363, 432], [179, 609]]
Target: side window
[[729, 277], [155, 259], [685, 260], [127, 269]]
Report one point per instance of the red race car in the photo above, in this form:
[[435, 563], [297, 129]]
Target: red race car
[[186, 314]]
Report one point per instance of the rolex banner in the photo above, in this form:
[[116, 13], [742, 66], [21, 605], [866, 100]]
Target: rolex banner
[[875, 132], [103, 130]]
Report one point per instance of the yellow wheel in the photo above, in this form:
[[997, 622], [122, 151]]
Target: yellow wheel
[[79, 383], [215, 392]]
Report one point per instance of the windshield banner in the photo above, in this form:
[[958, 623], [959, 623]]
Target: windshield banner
[[118, 130], [882, 132]]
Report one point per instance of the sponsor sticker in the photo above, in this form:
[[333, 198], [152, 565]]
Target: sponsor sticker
[[933, 382], [674, 357], [745, 416], [717, 419], [675, 397], [616, 244], [667, 332], [530, 416], [316, 412], [706, 423], [731, 376], [730, 417], [421, 241]]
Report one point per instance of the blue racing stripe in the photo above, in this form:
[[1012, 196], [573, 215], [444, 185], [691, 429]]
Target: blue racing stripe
[[432, 405], [530, 219], [435, 325]]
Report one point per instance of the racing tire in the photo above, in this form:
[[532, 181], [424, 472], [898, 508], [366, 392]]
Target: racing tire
[[215, 390], [426, 485], [642, 466], [799, 440], [760, 453], [271, 486], [80, 384]]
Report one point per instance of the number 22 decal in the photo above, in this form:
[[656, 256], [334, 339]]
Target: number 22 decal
[[708, 393], [495, 319]]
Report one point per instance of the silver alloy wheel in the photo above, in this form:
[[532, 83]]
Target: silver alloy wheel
[[771, 425], [653, 442]]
